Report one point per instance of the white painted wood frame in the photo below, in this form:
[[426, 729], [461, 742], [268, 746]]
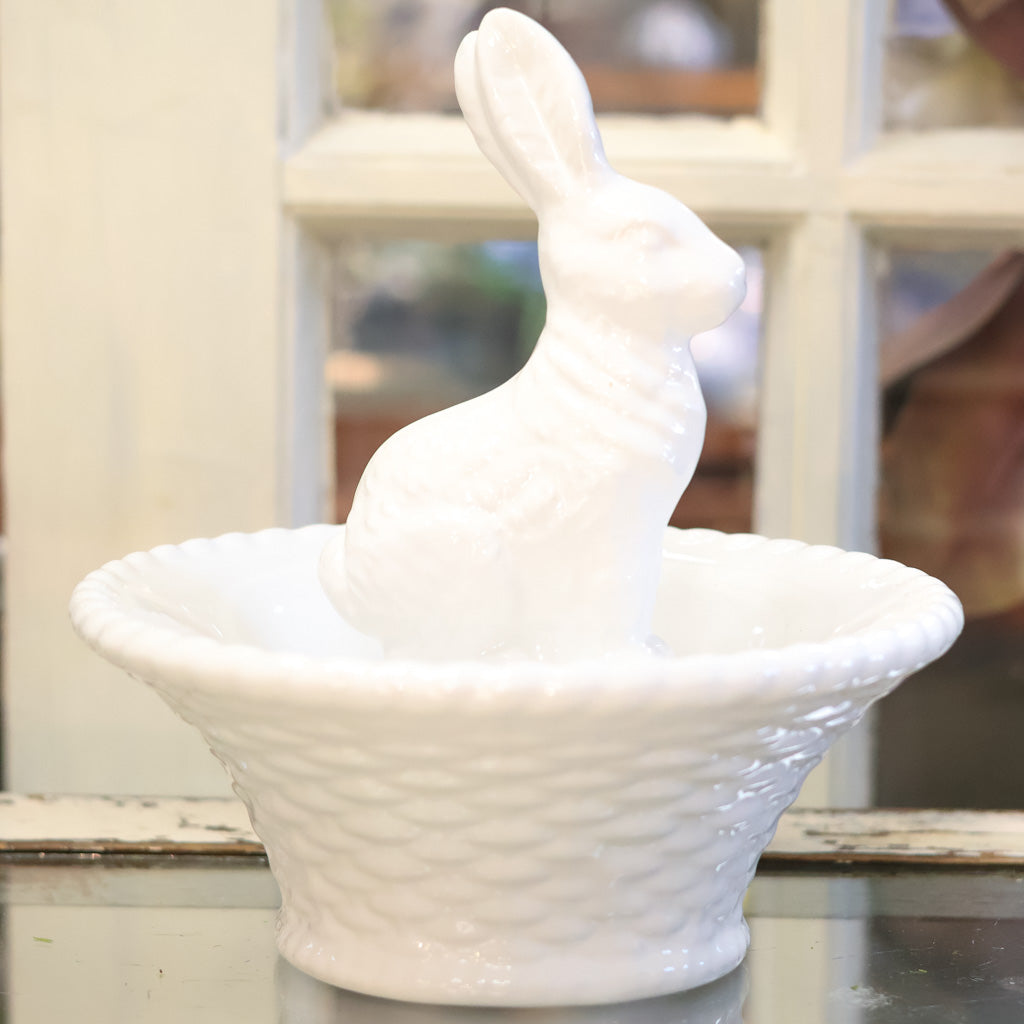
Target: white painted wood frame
[[219, 826], [171, 181]]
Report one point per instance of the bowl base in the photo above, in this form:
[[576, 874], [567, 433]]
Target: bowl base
[[567, 976]]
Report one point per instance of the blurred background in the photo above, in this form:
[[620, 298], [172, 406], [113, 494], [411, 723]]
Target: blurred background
[[419, 314]]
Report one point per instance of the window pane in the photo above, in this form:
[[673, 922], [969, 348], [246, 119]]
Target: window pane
[[936, 76], [422, 325], [952, 503], [698, 56], [419, 326]]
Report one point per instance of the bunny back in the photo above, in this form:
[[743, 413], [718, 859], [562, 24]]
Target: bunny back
[[472, 534]]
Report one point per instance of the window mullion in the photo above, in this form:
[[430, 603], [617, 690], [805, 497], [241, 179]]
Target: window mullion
[[354, 175], [817, 439], [965, 179], [815, 473], [817, 398]]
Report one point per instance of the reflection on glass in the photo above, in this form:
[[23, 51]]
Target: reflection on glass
[[419, 326], [658, 56], [936, 76], [952, 503], [96, 942], [949, 964]]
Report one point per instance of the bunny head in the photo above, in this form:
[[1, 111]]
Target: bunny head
[[607, 244], [641, 258]]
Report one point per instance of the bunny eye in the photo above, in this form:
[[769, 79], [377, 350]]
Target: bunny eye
[[646, 234]]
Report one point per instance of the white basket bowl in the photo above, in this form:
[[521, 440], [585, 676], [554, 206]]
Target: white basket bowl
[[517, 833]]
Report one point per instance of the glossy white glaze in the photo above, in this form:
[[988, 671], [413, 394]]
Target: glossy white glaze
[[517, 833], [528, 522]]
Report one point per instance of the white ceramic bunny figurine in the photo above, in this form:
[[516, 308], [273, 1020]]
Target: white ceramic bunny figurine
[[529, 521]]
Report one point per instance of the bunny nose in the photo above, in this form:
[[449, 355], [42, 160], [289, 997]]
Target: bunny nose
[[713, 283], [736, 277], [728, 286]]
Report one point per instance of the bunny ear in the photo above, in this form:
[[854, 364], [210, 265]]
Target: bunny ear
[[538, 108], [467, 90]]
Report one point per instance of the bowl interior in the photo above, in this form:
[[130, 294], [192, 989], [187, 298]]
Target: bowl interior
[[719, 593]]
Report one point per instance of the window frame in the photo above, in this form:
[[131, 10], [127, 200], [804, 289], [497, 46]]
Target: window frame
[[815, 180]]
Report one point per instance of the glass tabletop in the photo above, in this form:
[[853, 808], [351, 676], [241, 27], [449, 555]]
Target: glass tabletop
[[161, 938]]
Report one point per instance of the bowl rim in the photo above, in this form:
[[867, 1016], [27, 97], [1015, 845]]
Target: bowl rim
[[876, 657]]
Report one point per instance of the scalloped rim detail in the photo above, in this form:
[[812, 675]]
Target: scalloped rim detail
[[876, 657]]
